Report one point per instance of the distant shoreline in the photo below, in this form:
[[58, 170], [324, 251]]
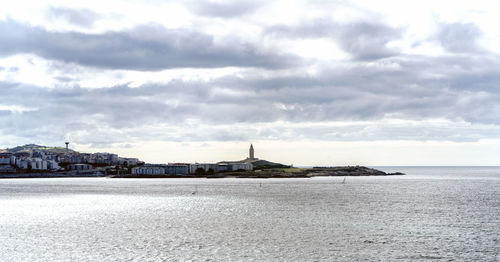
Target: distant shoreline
[[265, 173], [52, 175]]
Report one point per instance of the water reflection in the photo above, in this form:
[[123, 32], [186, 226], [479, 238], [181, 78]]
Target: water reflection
[[388, 218]]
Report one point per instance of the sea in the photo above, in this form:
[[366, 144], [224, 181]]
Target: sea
[[430, 214]]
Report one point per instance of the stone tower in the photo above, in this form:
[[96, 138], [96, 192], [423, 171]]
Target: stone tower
[[251, 155]]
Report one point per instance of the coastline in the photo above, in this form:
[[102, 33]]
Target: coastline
[[263, 173], [52, 174]]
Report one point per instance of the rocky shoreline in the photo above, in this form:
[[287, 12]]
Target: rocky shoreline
[[351, 171], [311, 172], [284, 173]]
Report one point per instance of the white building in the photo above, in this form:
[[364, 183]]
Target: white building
[[148, 170], [234, 166], [5, 158], [131, 161], [37, 164], [241, 166]]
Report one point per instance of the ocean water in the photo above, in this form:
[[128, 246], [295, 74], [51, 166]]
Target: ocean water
[[431, 214]]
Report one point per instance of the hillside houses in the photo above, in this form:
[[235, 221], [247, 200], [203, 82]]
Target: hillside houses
[[47, 160], [44, 159]]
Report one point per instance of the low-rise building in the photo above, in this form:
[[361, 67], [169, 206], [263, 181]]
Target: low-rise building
[[223, 167], [52, 165], [22, 163], [5, 158], [37, 164], [131, 161], [234, 166], [205, 166], [241, 166], [148, 170], [177, 169], [79, 167], [78, 159]]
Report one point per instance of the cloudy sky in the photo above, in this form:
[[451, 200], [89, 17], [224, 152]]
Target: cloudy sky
[[364, 82]]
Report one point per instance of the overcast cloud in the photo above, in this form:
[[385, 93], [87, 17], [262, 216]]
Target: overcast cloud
[[247, 71], [145, 47], [81, 17]]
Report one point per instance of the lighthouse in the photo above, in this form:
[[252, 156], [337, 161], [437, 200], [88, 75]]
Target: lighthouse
[[251, 152]]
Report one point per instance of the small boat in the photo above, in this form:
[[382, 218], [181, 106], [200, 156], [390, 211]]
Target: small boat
[[343, 182]]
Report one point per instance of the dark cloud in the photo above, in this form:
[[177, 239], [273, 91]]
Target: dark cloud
[[368, 41], [460, 37], [64, 79], [228, 9], [363, 40], [458, 89], [80, 17], [147, 47]]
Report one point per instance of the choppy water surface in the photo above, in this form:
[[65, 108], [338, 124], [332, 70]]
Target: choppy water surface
[[430, 214]]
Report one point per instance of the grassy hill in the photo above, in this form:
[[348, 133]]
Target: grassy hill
[[31, 147], [263, 164], [260, 163]]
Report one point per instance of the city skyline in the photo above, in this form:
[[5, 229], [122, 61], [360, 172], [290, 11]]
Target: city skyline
[[306, 82]]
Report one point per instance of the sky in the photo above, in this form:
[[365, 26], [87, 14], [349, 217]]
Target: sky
[[314, 82]]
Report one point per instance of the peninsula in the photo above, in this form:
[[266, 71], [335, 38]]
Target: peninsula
[[31, 161]]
